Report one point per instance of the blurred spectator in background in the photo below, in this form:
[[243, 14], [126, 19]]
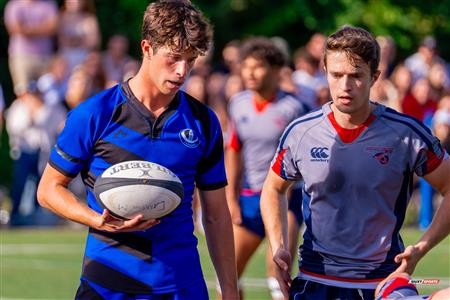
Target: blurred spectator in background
[[78, 32], [420, 62], [418, 103], [2, 108], [387, 55], [441, 122], [78, 87], [383, 91], [53, 83], [316, 46], [439, 81], [31, 26], [115, 58], [196, 87], [231, 56], [401, 78], [32, 127], [307, 77], [94, 67]]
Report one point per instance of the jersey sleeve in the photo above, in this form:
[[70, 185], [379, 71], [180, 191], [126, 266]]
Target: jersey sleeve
[[284, 162], [430, 154], [211, 169], [233, 137], [75, 143]]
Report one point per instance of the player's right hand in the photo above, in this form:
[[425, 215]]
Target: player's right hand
[[282, 259], [108, 222]]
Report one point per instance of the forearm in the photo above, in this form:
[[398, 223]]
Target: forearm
[[219, 237], [274, 213], [233, 168], [56, 197], [439, 228]]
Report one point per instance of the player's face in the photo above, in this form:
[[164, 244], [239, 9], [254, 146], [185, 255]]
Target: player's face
[[349, 82], [256, 74], [169, 69]]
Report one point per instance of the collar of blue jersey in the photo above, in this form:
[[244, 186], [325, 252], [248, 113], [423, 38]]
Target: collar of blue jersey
[[144, 110]]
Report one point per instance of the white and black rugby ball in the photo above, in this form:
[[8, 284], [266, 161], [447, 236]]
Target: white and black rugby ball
[[130, 188]]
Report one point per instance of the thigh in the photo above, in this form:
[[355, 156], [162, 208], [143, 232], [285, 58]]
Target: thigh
[[245, 243]]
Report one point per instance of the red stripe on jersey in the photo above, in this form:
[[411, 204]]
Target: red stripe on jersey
[[433, 161], [397, 283], [233, 141], [349, 135], [279, 163], [339, 278]]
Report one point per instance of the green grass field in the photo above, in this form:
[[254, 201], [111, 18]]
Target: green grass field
[[45, 264]]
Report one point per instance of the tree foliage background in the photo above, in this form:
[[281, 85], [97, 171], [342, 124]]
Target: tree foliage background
[[407, 21]]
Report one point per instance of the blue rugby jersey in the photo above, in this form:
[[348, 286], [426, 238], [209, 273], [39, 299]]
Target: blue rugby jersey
[[355, 194], [113, 127]]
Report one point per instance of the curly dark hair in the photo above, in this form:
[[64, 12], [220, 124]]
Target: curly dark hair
[[357, 43], [264, 49], [177, 24]]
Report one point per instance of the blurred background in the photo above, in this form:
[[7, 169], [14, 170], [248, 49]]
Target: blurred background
[[54, 54]]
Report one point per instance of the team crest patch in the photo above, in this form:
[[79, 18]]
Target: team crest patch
[[188, 138], [381, 154]]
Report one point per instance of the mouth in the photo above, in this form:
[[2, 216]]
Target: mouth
[[345, 99], [175, 84]]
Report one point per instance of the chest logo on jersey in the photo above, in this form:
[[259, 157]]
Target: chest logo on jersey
[[319, 154], [381, 154], [188, 138]]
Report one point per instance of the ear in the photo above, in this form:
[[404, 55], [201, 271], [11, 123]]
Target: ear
[[147, 50], [375, 77]]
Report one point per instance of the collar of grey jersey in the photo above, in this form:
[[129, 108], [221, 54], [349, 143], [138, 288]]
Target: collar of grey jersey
[[141, 109], [378, 111]]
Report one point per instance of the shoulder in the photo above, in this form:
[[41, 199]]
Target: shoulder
[[198, 109], [240, 98], [300, 126], [404, 122], [101, 105]]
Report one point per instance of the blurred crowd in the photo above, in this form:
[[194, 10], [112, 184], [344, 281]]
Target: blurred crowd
[[56, 62]]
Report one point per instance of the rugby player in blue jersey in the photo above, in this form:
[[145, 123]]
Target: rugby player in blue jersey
[[148, 118], [357, 159]]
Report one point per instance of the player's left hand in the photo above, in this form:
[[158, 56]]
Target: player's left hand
[[408, 259]]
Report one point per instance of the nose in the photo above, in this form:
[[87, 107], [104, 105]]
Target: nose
[[181, 68], [346, 83]]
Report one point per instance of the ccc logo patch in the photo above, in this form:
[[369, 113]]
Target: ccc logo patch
[[319, 152]]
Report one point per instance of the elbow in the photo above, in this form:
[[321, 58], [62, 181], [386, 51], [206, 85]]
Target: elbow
[[41, 196]]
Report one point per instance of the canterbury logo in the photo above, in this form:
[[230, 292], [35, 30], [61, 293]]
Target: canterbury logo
[[188, 138], [319, 152]]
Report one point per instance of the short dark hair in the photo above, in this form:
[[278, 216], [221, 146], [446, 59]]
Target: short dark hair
[[264, 49], [177, 24], [357, 43]]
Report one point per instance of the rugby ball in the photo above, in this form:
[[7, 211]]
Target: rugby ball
[[130, 188]]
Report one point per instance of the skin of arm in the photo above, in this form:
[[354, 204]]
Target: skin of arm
[[274, 206], [219, 238], [440, 226], [54, 195], [233, 164]]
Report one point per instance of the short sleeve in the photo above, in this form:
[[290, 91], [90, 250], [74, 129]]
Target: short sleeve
[[211, 169], [284, 163], [430, 154], [233, 137], [75, 143]]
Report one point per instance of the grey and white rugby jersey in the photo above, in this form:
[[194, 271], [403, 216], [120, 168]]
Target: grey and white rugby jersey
[[256, 131], [355, 194]]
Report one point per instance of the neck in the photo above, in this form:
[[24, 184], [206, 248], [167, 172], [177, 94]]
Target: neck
[[352, 120], [148, 94], [265, 94]]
